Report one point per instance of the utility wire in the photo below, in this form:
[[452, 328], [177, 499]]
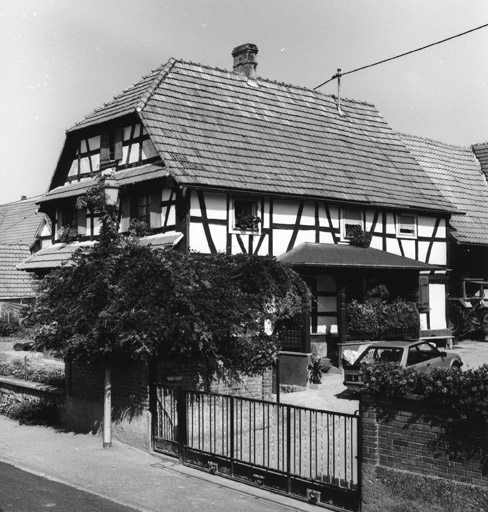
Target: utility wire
[[401, 55]]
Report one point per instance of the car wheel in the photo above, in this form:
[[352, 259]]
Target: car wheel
[[456, 365]]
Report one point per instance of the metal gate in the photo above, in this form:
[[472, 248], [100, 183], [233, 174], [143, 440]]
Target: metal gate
[[305, 453]]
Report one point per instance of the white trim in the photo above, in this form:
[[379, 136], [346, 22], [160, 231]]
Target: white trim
[[412, 234]]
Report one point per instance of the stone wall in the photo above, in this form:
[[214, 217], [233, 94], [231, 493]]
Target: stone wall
[[415, 458], [16, 391]]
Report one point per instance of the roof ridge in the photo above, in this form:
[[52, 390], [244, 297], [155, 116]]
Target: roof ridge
[[275, 82], [164, 69], [428, 139], [27, 200]]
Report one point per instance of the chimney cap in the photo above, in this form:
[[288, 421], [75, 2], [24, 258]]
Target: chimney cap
[[248, 47]]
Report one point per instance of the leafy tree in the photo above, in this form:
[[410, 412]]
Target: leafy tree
[[123, 298]]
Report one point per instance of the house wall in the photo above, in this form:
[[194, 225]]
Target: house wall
[[403, 470], [287, 223]]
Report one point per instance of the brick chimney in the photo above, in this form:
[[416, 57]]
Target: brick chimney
[[245, 60]]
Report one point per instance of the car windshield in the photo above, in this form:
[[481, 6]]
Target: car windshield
[[384, 354]]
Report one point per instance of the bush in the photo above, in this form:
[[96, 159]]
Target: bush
[[41, 412], [377, 319], [464, 392], [361, 320], [50, 375]]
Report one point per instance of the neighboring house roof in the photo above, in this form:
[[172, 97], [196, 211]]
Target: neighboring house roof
[[458, 174], [14, 284], [20, 222], [214, 129], [61, 254], [349, 256]]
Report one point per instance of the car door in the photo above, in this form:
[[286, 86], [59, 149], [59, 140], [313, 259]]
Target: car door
[[424, 356]]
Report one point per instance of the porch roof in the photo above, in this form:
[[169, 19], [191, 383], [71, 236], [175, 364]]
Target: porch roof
[[61, 254], [349, 256]]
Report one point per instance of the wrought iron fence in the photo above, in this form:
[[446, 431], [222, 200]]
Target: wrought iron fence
[[293, 449]]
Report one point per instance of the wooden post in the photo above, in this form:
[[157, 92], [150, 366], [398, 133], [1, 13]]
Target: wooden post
[[107, 408], [306, 322], [341, 312]]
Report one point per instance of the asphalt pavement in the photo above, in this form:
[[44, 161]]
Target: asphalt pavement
[[129, 477]]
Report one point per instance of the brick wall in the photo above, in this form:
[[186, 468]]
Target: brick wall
[[131, 394], [405, 463], [196, 378]]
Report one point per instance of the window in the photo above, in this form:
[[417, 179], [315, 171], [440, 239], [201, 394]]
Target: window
[[141, 208], [246, 215], [111, 148], [351, 220], [406, 226]]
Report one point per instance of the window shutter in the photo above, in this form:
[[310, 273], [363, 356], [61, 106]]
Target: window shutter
[[104, 148], [118, 145], [155, 209], [423, 292], [125, 207], [82, 221]]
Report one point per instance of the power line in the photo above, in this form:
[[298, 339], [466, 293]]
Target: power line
[[401, 55]]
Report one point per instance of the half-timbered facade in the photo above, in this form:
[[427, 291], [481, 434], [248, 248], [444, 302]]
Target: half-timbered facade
[[214, 160]]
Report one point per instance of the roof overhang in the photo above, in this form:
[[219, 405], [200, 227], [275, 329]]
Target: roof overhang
[[61, 254], [125, 177], [348, 256]]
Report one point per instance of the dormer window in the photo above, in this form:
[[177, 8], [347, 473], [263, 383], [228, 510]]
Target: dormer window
[[406, 226], [246, 215], [111, 148], [351, 220]]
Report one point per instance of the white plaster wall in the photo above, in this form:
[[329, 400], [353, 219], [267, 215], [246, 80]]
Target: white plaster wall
[[197, 239], [408, 248], [437, 301]]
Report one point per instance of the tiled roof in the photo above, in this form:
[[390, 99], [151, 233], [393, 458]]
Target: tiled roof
[[481, 152], [124, 177], [213, 129], [60, 254], [52, 256], [20, 222], [348, 256], [457, 173], [14, 284]]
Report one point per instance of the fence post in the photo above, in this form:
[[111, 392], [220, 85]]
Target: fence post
[[232, 432], [182, 424], [288, 449]]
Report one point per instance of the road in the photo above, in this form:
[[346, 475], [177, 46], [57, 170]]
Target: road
[[24, 492]]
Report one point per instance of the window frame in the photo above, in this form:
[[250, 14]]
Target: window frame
[[412, 234], [255, 212], [345, 218]]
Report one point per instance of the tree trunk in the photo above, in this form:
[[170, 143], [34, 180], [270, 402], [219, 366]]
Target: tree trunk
[[107, 408]]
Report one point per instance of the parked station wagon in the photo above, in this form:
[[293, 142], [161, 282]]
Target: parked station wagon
[[420, 354]]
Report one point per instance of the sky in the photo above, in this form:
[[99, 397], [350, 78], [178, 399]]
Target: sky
[[61, 59]]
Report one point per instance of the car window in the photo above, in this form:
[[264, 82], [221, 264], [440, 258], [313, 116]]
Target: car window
[[421, 352], [387, 355]]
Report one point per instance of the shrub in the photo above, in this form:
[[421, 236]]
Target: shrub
[[367, 320], [464, 392], [50, 375], [361, 319], [41, 412]]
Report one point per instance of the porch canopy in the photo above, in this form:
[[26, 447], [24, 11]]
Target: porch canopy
[[349, 256], [60, 254]]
